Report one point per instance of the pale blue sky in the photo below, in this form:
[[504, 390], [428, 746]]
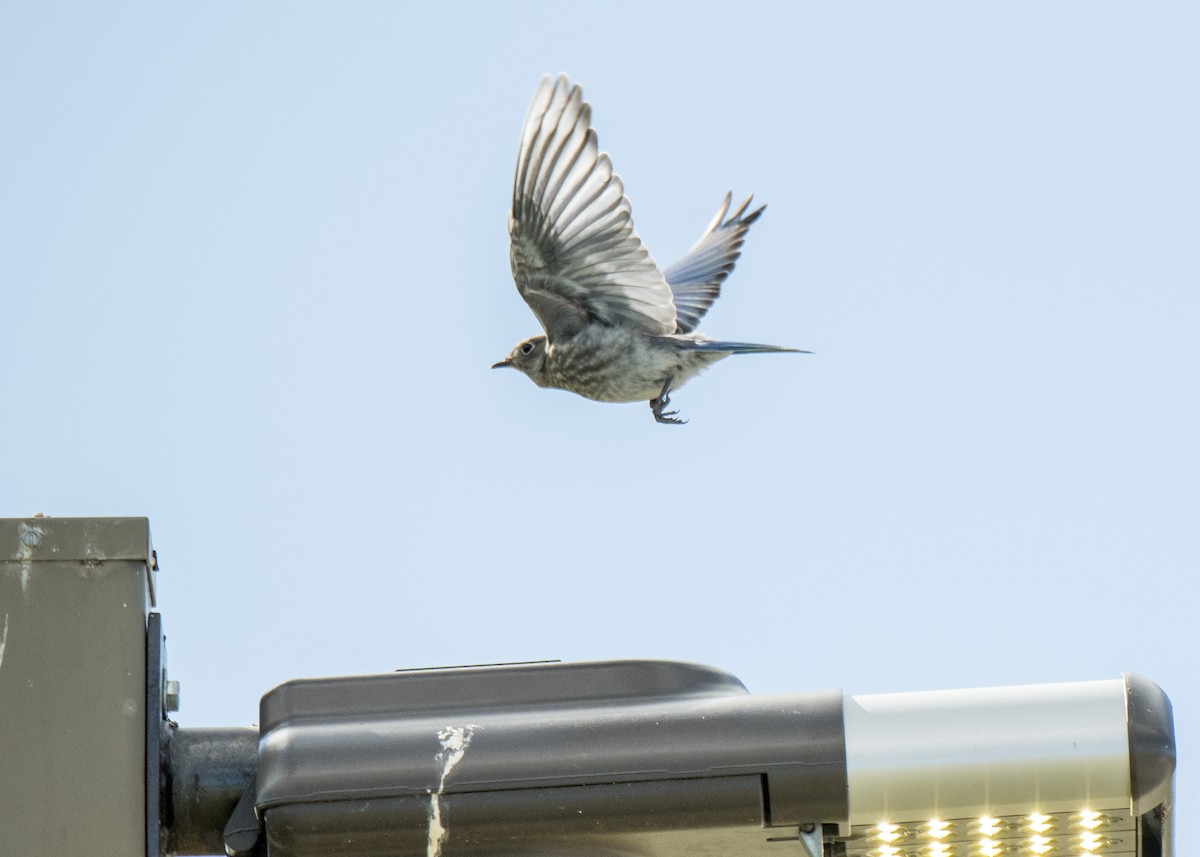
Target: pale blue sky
[[255, 268]]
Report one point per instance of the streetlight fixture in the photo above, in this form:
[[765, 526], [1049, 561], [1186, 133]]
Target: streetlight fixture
[[664, 759], [645, 758]]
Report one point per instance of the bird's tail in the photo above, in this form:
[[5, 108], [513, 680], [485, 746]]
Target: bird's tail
[[741, 347]]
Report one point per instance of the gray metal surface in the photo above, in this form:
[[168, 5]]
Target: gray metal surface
[[73, 601], [673, 758], [716, 817], [1151, 741], [1151, 762]]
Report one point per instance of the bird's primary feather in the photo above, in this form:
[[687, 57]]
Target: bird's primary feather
[[575, 256], [696, 279]]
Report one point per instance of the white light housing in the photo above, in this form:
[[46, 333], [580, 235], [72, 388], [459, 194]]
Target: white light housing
[[1061, 769]]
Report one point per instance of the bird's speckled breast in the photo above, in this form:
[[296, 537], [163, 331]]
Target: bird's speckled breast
[[612, 364]]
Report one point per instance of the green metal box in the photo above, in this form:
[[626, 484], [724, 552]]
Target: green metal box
[[74, 595]]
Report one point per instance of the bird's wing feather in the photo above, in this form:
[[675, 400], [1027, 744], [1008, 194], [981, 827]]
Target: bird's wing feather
[[575, 256], [696, 279]]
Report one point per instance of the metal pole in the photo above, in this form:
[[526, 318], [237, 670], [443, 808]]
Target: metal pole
[[208, 770]]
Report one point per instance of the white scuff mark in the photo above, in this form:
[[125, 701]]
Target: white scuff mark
[[28, 538], [454, 741], [3, 639]]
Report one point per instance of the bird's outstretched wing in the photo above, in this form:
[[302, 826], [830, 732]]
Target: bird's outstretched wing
[[575, 256], [696, 279]]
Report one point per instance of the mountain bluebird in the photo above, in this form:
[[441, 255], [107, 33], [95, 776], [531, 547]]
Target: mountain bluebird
[[618, 329]]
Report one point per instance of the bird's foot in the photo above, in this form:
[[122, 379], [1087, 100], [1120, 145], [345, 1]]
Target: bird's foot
[[657, 405]]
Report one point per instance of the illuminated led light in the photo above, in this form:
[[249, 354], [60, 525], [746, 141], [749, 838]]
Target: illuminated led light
[[1040, 823], [1091, 820], [887, 832], [938, 829], [989, 826], [1036, 834], [1039, 844], [990, 848]]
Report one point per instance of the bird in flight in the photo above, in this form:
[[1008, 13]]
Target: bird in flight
[[617, 327]]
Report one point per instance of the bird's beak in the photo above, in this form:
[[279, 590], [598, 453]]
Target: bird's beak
[[502, 364]]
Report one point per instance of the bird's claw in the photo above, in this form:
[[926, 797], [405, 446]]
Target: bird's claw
[[657, 405]]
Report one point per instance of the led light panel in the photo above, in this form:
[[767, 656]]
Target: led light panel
[[1086, 833]]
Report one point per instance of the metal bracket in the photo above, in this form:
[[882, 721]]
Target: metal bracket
[[811, 840], [155, 673], [241, 831]]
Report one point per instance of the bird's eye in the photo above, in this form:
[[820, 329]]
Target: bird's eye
[[527, 348]]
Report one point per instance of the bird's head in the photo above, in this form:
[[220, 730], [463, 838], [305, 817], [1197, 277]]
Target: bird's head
[[529, 357]]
